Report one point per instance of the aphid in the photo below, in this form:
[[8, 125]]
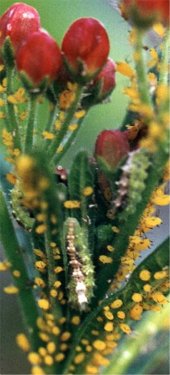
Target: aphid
[[80, 265]]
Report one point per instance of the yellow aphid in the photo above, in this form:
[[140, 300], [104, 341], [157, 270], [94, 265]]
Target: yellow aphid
[[136, 311], [151, 222], [162, 200], [59, 149], [108, 327], [42, 351], [37, 370], [48, 135], [159, 29], [160, 275], [89, 348], [73, 127], [23, 115], [147, 288], [99, 345], [44, 336], [80, 114], [58, 124], [116, 304], [99, 360], [162, 93], [57, 284], [115, 229], [34, 358], [58, 269], [1, 65], [48, 360], [90, 369], [63, 347], [7, 138], [40, 265], [65, 336], [79, 358], [110, 248], [11, 289], [72, 204], [154, 58], [39, 253], [2, 116], [75, 320], [2, 102], [55, 331], [23, 342], [88, 190], [143, 244], [53, 293], [4, 266], [121, 315], [145, 275], [40, 229], [43, 304], [95, 332], [105, 259], [11, 178], [125, 328], [108, 315], [16, 273], [59, 357], [137, 297], [125, 69], [66, 98], [158, 297]]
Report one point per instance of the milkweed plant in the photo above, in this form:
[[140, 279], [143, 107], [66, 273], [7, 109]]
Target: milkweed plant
[[81, 292]]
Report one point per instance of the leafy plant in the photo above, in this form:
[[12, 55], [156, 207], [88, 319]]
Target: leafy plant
[[85, 226]]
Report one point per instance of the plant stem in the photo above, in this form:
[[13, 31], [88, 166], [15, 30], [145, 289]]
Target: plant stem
[[143, 87], [51, 274], [70, 113], [11, 115], [31, 123], [15, 257], [72, 136]]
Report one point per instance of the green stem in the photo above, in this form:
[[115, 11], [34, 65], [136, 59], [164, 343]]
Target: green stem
[[163, 72], [70, 113], [31, 123], [13, 125], [72, 136], [52, 118], [14, 256], [51, 274], [143, 86]]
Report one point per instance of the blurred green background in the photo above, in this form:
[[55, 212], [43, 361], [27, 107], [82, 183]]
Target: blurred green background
[[56, 16]]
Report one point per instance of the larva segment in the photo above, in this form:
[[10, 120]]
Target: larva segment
[[81, 269]]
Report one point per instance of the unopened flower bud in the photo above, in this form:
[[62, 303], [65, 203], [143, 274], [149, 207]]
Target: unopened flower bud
[[39, 58], [143, 13], [111, 147], [86, 47]]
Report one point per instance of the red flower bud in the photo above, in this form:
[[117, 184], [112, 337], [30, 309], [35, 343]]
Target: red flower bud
[[143, 13], [39, 58], [85, 47], [18, 22], [111, 147], [105, 80]]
